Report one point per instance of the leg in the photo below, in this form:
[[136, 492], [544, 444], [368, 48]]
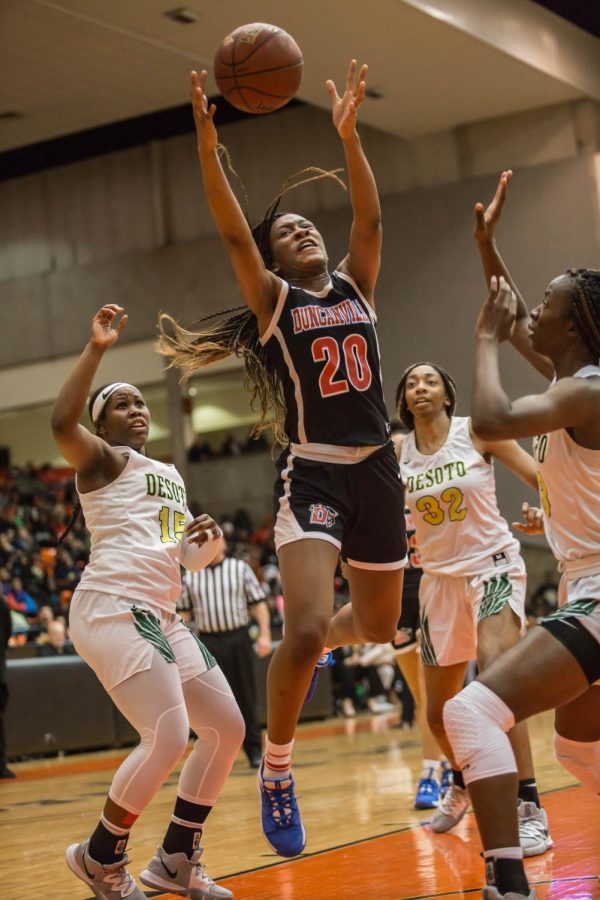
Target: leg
[[152, 701], [412, 671], [307, 570], [154, 704], [428, 788], [216, 719], [219, 726], [234, 654], [577, 737], [496, 634], [441, 684], [373, 611], [538, 673]]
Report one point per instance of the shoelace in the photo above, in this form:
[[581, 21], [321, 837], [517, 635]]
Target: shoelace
[[453, 801], [283, 802], [120, 879], [199, 871], [531, 828]]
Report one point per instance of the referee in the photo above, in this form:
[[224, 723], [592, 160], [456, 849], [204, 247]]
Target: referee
[[221, 598]]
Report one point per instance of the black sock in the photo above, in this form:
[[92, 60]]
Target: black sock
[[507, 875], [106, 847], [457, 778], [528, 791], [185, 828]]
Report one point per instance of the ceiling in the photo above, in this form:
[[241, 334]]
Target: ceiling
[[75, 65]]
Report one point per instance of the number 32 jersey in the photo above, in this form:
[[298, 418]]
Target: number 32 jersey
[[452, 497], [324, 348]]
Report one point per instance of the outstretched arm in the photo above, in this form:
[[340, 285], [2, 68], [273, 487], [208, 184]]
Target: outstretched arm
[[511, 455], [258, 286], [570, 403], [363, 259], [85, 451], [486, 220]]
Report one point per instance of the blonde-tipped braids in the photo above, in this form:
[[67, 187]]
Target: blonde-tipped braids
[[229, 335]]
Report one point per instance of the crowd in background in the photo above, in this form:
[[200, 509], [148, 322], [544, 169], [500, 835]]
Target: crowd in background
[[38, 577]]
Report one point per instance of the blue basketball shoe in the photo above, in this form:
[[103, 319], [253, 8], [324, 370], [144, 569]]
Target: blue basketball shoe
[[323, 661], [428, 792], [281, 822]]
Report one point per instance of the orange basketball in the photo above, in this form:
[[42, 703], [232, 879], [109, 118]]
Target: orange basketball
[[258, 67]]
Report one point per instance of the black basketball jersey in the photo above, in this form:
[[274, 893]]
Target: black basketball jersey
[[324, 348]]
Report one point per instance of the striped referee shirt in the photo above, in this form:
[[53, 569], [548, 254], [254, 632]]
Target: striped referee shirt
[[219, 596]]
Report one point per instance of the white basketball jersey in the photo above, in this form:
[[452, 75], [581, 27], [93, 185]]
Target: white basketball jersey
[[452, 497], [569, 483], [136, 524]]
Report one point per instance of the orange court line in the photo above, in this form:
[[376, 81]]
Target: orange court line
[[56, 768], [416, 863]]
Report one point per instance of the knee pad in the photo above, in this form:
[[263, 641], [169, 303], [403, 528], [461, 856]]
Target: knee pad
[[476, 722], [581, 759]]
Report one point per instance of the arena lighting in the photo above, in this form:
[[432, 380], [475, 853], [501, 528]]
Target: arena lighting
[[183, 14]]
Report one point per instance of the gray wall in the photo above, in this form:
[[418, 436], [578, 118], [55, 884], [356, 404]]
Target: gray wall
[[133, 228]]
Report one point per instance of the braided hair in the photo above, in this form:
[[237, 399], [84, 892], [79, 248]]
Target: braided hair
[[77, 513], [234, 331], [405, 415], [585, 306]]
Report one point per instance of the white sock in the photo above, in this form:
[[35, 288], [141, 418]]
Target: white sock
[[278, 761]]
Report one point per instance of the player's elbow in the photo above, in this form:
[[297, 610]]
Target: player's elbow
[[61, 425], [486, 426]]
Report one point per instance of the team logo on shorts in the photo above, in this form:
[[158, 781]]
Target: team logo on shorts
[[322, 515]]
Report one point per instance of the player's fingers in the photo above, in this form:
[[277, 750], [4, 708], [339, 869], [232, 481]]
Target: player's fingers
[[350, 75], [202, 521], [332, 90], [493, 289], [122, 323]]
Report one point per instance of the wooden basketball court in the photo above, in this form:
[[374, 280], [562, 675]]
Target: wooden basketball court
[[356, 786]]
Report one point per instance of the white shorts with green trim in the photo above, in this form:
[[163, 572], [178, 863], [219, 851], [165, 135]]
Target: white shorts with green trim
[[118, 638], [451, 608]]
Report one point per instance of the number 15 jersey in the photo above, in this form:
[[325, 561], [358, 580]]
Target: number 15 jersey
[[452, 497], [324, 348]]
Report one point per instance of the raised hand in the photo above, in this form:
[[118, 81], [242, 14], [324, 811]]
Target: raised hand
[[534, 520], [487, 219], [344, 108], [104, 334], [499, 312], [203, 113]]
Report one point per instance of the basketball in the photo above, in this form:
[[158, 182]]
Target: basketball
[[258, 68]]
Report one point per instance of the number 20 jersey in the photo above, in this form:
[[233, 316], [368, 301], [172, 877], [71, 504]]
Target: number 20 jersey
[[452, 497], [324, 348]]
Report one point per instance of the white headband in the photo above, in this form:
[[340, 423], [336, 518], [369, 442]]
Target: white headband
[[104, 395]]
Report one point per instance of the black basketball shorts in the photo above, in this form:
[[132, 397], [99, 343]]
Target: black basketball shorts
[[358, 507]]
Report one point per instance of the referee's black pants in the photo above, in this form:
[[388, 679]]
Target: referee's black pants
[[234, 652]]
